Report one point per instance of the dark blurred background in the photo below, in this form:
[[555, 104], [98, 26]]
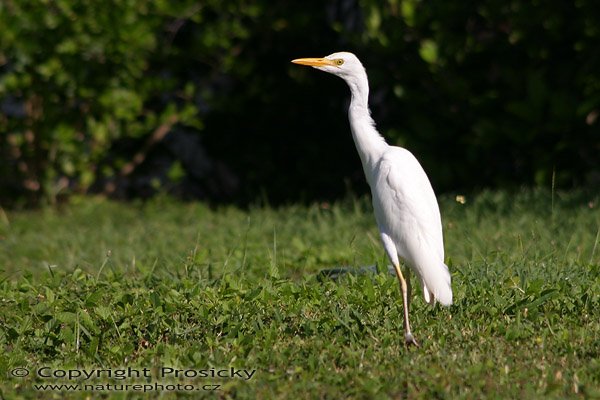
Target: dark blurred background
[[199, 99]]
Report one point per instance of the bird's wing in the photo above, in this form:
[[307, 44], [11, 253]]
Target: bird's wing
[[408, 202], [407, 211]]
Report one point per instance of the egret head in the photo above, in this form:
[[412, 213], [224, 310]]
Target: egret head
[[343, 64]]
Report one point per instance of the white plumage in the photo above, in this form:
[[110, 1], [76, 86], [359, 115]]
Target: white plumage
[[410, 223], [405, 206]]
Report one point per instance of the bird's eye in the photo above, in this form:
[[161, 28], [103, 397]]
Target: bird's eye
[[339, 62]]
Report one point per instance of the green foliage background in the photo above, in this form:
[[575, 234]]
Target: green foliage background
[[492, 93]]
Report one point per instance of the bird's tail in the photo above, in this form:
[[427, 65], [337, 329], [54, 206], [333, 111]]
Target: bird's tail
[[437, 285]]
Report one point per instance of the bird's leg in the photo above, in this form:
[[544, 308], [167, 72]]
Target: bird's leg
[[409, 337], [405, 288], [408, 290]]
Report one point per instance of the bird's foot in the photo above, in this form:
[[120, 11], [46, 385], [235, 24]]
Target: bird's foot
[[409, 340]]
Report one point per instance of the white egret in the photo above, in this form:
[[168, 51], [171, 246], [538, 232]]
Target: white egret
[[406, 210]]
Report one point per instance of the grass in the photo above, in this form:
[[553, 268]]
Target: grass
[[98, 285]]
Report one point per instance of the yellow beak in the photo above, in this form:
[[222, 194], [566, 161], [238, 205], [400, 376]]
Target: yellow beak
[[314, 62]]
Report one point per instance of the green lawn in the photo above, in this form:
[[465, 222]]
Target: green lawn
[[98, 285]]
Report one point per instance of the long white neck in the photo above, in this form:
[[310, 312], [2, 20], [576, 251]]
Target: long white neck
[[369, 143]]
